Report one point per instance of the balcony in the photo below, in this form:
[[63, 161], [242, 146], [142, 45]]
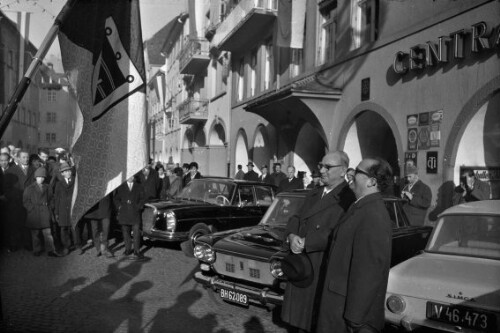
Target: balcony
[[193, 111], [245, 24], [194, 57]]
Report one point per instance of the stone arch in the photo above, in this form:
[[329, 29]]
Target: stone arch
[[260, 153], [217, 133], [241, 150]]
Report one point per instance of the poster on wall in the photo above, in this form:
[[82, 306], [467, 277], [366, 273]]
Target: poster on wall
[[431, 162], [435, 135], [412, 120], [436, 117], [424, 134], [423, 119], [412, 138], [411, 158]]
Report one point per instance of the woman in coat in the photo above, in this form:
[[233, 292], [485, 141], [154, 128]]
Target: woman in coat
[[36, 202], [129, 200], [62, 204], [164, 182]]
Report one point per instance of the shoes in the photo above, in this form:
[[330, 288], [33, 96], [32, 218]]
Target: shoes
[[137, 256], [37, 253], [108, 254], [53, 254]]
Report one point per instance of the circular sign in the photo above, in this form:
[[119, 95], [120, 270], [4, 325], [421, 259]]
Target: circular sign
[[412, 135]]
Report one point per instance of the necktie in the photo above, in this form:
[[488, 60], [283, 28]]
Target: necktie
[[130, 186], [25, 169]]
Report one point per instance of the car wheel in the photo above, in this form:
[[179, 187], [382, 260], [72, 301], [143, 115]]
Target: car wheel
[[196, 231]]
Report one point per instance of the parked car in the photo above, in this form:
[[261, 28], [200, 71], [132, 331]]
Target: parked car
[[454, 285], [207, 205], [244, 266]]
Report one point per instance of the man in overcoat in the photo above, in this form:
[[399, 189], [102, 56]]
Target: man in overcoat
[[100, 219], [418, 197], [129, 200], [63, 195], [291, 182], [310, 231], [355, 283]]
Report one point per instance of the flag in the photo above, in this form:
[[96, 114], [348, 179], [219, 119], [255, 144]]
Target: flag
[[101, 49], [291, 22]]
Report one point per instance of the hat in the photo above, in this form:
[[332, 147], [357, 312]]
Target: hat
[[264, 166], [64, 166], [297, 268], [41, 172], [411, 170], [250, 164], [315, 173]]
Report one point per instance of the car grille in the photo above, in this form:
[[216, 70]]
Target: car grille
[[243, 269], [148, 218]]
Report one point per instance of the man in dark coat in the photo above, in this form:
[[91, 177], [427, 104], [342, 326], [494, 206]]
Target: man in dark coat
[[355, 284], [278, 175], [240, 174], [99, 216], [251, 175], [265, 177], [310, 231], [63, 195], [150, 182], [291, 182], [470, 189], [129, 200], [192, 174], [418, 197]]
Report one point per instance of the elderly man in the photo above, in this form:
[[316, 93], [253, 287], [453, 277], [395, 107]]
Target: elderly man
[[251, 175], [309, 234], [360, 255], [418, 196], [471, 189], [291, 182]]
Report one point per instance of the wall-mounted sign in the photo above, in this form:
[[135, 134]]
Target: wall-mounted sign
[[365, 89], [424, 137], [435, 135], [436, 117], [431, 162], [412, 120], [423, 119], [412, 138], [411, 158]]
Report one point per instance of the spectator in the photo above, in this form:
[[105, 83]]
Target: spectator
[[193, 173], [355, 283], [418, 197], [265, 177], [278, 175], [291, 182], [470, 189], [175, 184], [316, 179], [36, 202], [164, 181], [99, 216], [63, 195], [178, 170], [251, 175], [185, 173], [240, 174], [150, 183]]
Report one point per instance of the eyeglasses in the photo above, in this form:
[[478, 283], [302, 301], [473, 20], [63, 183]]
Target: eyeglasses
[[327, 166]]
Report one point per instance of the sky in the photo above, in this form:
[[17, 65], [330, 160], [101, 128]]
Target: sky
[[154, 15]]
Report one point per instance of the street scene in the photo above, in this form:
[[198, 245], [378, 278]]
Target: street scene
[[250, 166]]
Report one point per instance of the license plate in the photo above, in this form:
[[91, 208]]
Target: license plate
[[461, 316], [234, 297]]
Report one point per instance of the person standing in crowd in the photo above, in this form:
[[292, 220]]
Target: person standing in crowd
[[177, 170], [277, 175], [193, 173], [150, 182], [175, 184], [309, 232], [418, 197], [4, 204], [291, 182], [185, 173], [316, 179], [36, 202], [99, 216], [43, 155], [240, 173], [265, 177], [129, 200], [355, 284], [164, 181], [470, 189], [63, 195], [251, 175]]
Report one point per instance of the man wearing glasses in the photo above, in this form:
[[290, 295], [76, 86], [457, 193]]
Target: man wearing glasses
[[356, 275], [309, 233]]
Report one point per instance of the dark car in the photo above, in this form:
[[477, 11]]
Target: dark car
[[244, 266], [207, 205]]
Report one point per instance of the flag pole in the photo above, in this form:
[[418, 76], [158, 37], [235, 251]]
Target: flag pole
[[23, 85]]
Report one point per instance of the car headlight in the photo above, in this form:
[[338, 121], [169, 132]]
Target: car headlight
[[275, 268], [204, 253], [171, 220], [395, 304]]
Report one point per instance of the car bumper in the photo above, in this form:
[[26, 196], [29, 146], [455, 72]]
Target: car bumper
[[261, 296], [166, 236]]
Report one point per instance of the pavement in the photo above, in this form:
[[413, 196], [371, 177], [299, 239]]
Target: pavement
[[85, 293]]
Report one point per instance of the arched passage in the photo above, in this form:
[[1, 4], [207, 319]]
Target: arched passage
[[309, 149], [217, 136], [241, 151], [261, 153]]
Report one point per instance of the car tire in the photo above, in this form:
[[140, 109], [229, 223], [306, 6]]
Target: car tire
[[196, 231]]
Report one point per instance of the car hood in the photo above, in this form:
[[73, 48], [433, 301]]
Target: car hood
[[260, 242], [172, 204], [449, 279]]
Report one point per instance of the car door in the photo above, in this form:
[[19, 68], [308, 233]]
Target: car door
[[246, 211]]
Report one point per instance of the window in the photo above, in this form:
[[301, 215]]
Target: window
[[241, 80], [50, 138], [253, 72], [47, 137], [296, 63], [326, 43], [53, 137], [268, 65], [51, 95], [364, 22], [51, 117]]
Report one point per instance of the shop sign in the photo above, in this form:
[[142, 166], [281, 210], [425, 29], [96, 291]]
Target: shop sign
[[412, 120], [365, 89], [477, 38], [424, 138], [411, 158], [412, 138], [435, 135], [431, 162], [423, 119]]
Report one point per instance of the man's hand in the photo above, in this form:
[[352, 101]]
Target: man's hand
[[407, 194], [296, 243]]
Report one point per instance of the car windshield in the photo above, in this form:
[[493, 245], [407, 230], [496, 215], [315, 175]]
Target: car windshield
[[281, 210], [212, 191], [469, 235]]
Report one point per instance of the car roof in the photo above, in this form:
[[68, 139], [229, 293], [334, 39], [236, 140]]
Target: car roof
[[231, 180], [484, 207]]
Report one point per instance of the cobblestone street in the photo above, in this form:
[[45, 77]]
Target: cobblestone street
[[83, 293]]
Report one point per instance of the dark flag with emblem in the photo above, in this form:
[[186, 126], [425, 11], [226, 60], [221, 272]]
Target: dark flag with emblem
[[101, 47]]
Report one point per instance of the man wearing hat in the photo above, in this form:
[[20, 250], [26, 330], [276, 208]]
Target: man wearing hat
[[251, 175], [63, 194], [418, 196], [308, 235], [316, 179], [265, 177], [36, 202], [291, 182]]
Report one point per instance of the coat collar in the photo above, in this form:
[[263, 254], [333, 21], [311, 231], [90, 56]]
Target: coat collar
[[330, 199]]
